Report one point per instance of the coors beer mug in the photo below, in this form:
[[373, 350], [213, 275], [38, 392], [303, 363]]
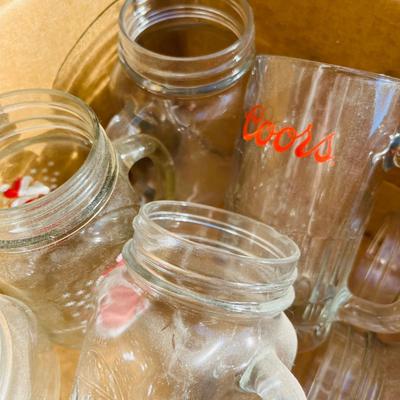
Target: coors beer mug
[[314, 140]]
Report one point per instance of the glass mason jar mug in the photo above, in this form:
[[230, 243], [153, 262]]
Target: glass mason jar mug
[[195, 312], [186, 90], [66, 204]]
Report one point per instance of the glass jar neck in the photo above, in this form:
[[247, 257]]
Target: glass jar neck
[[186, 75], [208, 257], [32, 119]]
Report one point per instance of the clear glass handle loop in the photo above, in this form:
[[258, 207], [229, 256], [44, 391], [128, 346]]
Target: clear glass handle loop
[[392, 157], [382, 260], [395, 148], [137, 147], [270, 379], [368, 315]]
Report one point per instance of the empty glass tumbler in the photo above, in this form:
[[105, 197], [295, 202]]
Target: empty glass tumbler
[[66, 204], [309, 159], [194, 310], [29, 369], [187, 89]]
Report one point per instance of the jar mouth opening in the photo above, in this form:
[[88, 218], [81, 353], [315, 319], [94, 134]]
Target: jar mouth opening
[[157, 211], [58, 101], [212, 257], [244, 38], [39, 121]]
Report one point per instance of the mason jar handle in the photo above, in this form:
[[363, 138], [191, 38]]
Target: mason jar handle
[[268, 377], [133, 148]]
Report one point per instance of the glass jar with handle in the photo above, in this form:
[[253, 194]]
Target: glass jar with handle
[[66, 204], [186, 90], [195, 311], [189, 93]]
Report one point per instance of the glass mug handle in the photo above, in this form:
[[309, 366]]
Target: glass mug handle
[[392, 157], [269, 378], [365, 314], [137, 147], [370, 315]]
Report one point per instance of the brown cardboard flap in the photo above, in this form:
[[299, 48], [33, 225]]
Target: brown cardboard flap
[[35, 36]]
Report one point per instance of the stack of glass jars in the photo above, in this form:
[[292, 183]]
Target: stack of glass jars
[[193, 307]]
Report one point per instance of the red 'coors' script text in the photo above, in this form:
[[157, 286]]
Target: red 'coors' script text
[[265, 131]]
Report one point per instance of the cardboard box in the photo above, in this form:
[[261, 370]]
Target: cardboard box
[[36, 35]]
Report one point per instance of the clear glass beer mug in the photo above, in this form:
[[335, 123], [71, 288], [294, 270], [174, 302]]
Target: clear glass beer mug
[[66, 204], [313, 142], [29, 369], [187, 90], [194, 310], [349, 366]]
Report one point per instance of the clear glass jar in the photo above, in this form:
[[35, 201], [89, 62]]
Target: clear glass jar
[[29, 368], [187, 89], [73, 204], [196, 311]]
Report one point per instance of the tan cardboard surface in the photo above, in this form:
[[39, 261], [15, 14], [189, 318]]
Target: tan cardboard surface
[[356, 33], [36, 35]]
